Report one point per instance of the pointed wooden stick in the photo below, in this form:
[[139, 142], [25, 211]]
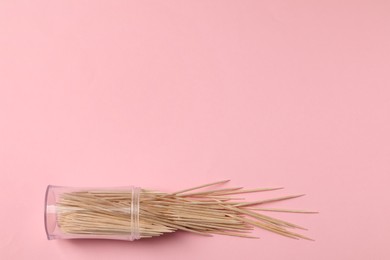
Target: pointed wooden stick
[[285, 210], [268, 200], [251, 191], [214, 192], [199, 187]]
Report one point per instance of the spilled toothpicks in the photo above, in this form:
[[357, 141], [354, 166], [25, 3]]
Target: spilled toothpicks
[[200, 210]]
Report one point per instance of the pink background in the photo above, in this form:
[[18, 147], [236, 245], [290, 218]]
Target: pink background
[[170, 94]]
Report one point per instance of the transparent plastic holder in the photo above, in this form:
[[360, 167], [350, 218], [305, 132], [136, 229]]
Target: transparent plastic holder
[[92, 213]]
